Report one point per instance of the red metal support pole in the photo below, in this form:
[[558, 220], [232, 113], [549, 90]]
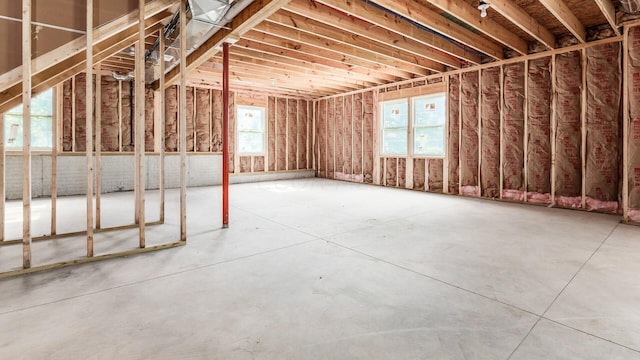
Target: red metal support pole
[[225, 135]]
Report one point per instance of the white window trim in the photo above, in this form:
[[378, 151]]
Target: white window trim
[[263, 110]]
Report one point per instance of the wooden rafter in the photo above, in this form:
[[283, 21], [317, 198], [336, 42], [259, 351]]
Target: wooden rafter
[[399, 34], [310, 26], [247, 19], [562, 12], [526, 22], [609, 12], [419, 13]]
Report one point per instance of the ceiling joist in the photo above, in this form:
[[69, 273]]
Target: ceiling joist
[[562, 12], [519, 17]]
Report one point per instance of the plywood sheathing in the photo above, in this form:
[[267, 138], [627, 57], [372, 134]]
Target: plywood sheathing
[[490, 124], [203, 118], [453, 133], [513, 132], [633, 91], [539, 131], [568, 107], [603, 127], [469, 139]]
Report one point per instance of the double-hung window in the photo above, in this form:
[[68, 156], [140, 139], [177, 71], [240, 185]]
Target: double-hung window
[[41, 123], [395, 119], [428, 125], [251, 126]]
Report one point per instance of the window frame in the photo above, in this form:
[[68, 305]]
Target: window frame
[[413, 117], [263, 112], [17, 112], [406, 102]]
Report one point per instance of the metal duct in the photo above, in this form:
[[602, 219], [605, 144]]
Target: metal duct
[[630, 6]]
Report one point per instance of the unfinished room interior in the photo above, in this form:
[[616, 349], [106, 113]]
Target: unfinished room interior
[[320, 179]]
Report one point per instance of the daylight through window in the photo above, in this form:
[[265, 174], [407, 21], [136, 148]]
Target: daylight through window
[[41, 122], [251, 127]]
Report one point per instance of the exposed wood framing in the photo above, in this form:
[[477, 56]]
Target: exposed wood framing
[[2, 178], [161, 121], [119, 116], [412, 9], [609, 12], [526, 22], [248, 18], [562, 12], [501, 132], [554, 126], [89, 126], [225, 136], [55, 141], [140, 125], [626, 68], [26, 134], [182, 128], [525, 146], [73, 114], [583, 117], [480, 190], [445, 161], [98, 145]]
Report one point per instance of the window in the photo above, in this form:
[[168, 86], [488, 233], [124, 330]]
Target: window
[[41, 122], [428, 125], [394, 127], [250, 130]]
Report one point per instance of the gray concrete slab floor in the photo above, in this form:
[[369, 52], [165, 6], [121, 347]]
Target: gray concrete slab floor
[[320, 269]]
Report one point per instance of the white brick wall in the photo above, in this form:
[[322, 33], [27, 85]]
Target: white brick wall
[[118, 173]]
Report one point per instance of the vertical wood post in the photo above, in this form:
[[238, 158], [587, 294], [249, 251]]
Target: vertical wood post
[[89, 127], [583, 127], [183, 123], [98, 110], [140, 124], [480, 133], [445, 161], [225, 135], [502, 131], [625, 125], [525, 146], [56, 121], [26, 134], [161, 121], [554, 127], [2, 177]]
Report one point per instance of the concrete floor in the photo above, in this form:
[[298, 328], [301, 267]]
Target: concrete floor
[[319, 269]]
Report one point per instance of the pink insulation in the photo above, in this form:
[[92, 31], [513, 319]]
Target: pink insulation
[[539, 131], [190, 119], [232, 126], [419, 172], [216, 121], [292, 133], [339, 137], [330, 138], [435, 175], [245, 164], [357, 136], [148, 120], [81, 113], [109, 114], [402, 172], [368, 109], [127, 133], [634, 125], [603, 126], [203, 117], [258, 163], [469, 144], [281, 134], [303, 126], [513, 132], [67, 121], [490, 133], [568, 187], [347, 155], [271, 132], [391, 172], [453, 151], [321, 135]]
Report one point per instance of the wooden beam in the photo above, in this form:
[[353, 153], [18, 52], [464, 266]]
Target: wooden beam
[[626, 69], [311, 26], [417, 12], [140, 124], [524, 21], [98, 189], [378, 25], [182, 128], [609, 12], [76, 64], [247, 19], [26, 134], [562, 12], [89, 126], [161, 121], [55, 140], [470, 15]]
